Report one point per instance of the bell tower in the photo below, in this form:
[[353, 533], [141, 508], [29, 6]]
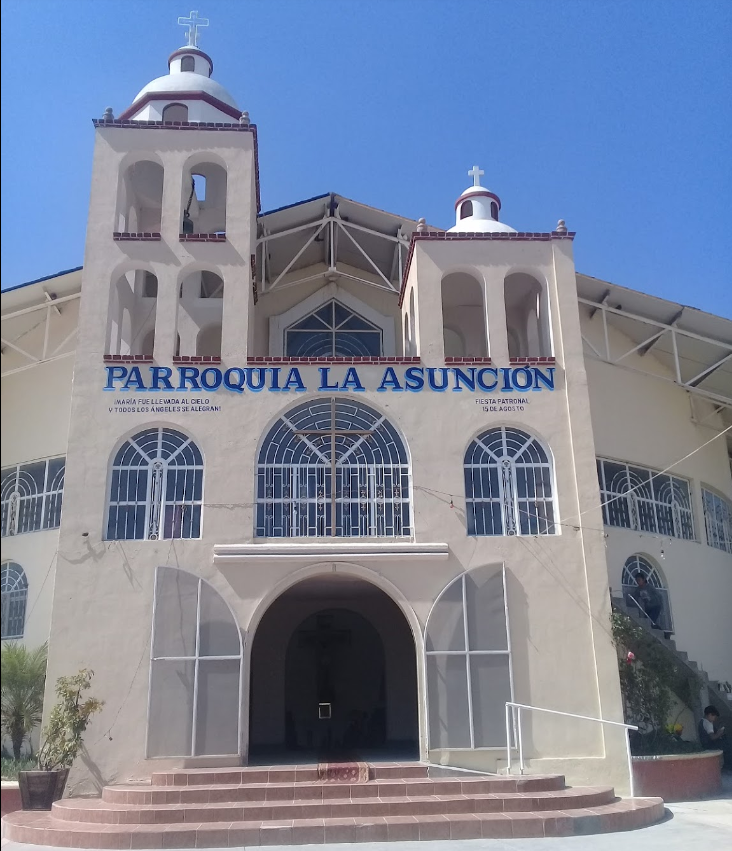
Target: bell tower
[[172, 221]]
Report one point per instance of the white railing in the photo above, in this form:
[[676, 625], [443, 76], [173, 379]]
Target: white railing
[[513, 724]]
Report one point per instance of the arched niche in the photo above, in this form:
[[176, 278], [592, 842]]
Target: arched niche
[[132, 313], [463, 316], [200, 313], [527, 316], [140, 197], [204, 197], [175, 112]]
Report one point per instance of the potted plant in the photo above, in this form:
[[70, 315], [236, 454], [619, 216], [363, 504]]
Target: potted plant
[[62, 741]]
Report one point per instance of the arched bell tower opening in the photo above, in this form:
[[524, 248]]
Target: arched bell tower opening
[[140, 197], [463, 316], [333, 675], [527, 316]]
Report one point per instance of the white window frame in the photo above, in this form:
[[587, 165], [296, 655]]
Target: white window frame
[[14, 497], [155, 489], [303, 483], [508, 497], [630, 496], [467, 653], [195, 658], [278, 324], [14, 590], [718, 528]]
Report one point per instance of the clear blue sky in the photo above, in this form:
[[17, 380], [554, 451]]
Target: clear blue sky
[[614, 115]]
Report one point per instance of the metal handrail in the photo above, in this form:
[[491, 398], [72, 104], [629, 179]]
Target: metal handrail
[[513, 721]]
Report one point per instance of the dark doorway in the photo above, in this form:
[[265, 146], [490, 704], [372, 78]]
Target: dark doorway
[[333, 676]]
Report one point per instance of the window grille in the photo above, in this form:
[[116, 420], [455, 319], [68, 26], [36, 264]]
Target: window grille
[[333, 467], [639, 498], [14, 600], [508, 485], [635, 565], [157, 487], [195, 670], [333, 331], [468, 650], [31, 496], [718, 520]]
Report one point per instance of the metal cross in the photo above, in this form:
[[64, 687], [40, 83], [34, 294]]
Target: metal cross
[[476, 173], [193, 22], [333, 432]]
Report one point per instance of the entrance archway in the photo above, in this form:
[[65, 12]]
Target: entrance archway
[[333, 675]]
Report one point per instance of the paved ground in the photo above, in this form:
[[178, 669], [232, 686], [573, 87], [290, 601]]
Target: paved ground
[[702, 825]]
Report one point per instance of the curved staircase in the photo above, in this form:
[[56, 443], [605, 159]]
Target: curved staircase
[[295, 805]]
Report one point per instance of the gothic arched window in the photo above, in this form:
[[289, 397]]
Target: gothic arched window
[[333, 331], [14, 586], [333, 467], [508, 485], [156, 487]]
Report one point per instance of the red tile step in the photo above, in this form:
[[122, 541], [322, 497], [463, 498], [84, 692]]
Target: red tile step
[[218, 808]]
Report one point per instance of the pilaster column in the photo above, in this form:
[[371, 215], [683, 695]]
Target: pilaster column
[[495, 314]]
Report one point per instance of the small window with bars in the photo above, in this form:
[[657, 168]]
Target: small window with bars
[[639, 498], [31, 496], [717, 520]]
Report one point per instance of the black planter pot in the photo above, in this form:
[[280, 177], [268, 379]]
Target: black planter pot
[[39, 789]]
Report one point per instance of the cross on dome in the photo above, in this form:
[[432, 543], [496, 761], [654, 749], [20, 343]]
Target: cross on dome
[[476, 173], [193, 22]]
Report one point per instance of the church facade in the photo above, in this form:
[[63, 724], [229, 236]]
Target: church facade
[[327, 480]]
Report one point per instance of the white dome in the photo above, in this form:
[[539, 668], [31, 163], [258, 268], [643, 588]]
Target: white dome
[[480, 219], [187, 81]]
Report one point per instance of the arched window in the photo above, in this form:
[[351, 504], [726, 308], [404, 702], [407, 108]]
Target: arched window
[[175, 112], [333, 331], [150, 286], [333, 467], [638, 565], [187, 63], [494, 210], [508, 485], [195, 677], [156, 488], [527, 316], [14, 586], [466, 209], [468, 651], [32, 495]]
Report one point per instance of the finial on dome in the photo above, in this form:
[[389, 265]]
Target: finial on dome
[[476, 173], [421, 225], [193, 22], [108, 114], [561, 226], [244, 119]]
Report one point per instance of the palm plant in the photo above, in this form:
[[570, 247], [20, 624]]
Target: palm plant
[[23, 673]]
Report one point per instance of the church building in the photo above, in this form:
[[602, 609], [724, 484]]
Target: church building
[[325, 480]]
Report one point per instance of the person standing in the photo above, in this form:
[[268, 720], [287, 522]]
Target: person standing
[[647, 598], [712, 737]]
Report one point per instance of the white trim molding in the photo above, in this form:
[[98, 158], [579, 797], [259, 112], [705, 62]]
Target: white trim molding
[[304, 554]]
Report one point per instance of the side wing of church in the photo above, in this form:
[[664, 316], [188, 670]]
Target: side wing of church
[[325, 479]]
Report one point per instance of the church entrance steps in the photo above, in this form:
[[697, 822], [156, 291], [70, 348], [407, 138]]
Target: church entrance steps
[[218, 808]]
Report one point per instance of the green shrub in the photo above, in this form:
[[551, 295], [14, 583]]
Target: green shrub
[[11, 767], [23, 673]]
